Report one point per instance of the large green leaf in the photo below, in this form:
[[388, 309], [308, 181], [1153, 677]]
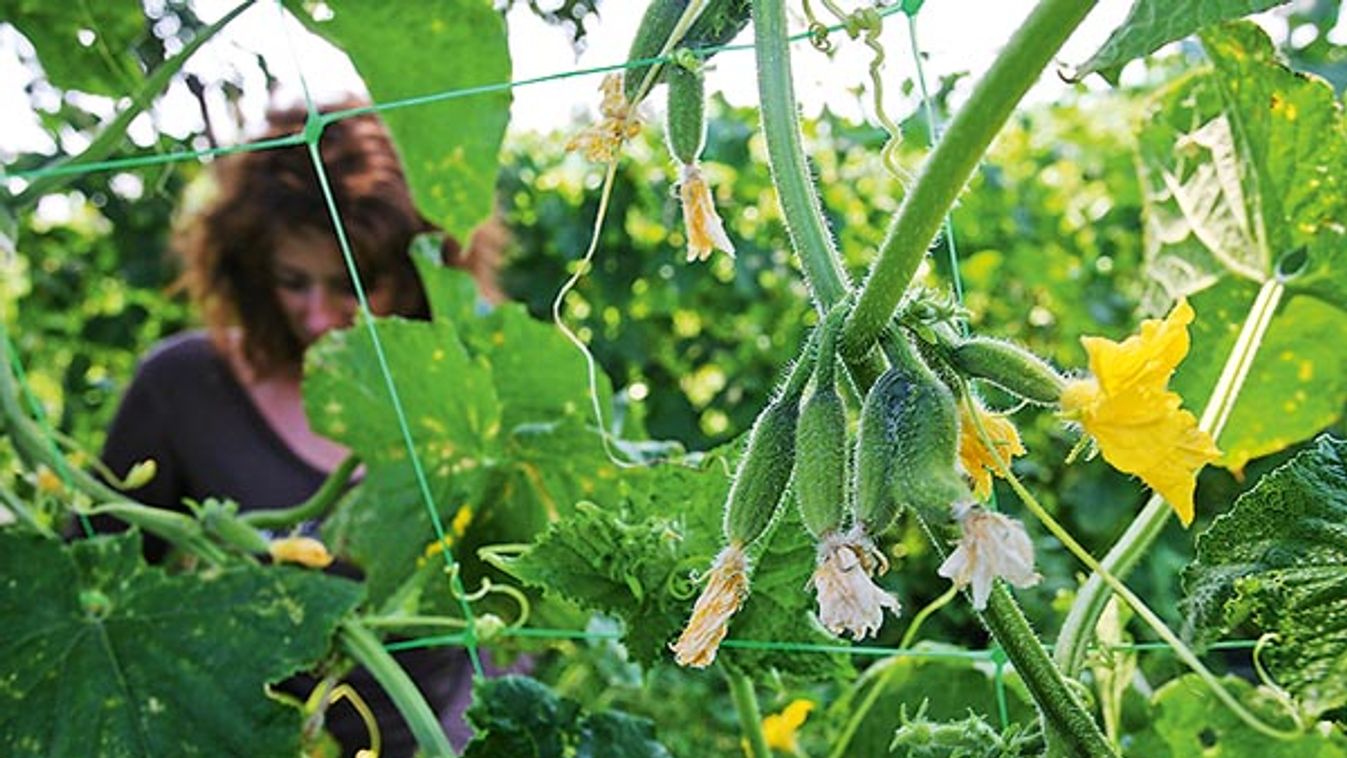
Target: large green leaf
[[1188, 720], [1152, 23], [499, 410], [103, 655], [403, 50], [107, 65], [1242, 166], [1278, 562]]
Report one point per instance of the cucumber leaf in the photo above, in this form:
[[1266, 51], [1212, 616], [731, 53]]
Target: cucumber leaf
[[419, 48], [103, 655], [1242, 167], [499, 411], [635, 559], [1153, 23], [1277, 562]]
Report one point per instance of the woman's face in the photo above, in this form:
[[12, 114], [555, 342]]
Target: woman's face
[[315, 291]]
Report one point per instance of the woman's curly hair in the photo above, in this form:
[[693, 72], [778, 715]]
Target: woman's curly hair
[[267, 194]]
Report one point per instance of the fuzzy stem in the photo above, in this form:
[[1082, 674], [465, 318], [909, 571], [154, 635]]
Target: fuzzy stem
[[955, 157], [364, 647], [750, 717], [1078, 629], [801, 210]]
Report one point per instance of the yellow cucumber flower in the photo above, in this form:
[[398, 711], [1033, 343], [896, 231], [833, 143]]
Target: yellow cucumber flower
[[978, 462], [780, 728], [721, 598], [305, 551], [1127, 407], [706, 233]]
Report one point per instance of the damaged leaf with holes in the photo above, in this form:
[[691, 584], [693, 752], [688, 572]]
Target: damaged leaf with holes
[[103, 655]]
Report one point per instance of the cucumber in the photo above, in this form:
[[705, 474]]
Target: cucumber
[[685, 120], [1009, 367]]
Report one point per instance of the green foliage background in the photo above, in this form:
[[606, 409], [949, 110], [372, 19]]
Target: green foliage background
[[1050, 236]]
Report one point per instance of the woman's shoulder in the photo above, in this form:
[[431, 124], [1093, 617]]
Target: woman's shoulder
[[188, 355]]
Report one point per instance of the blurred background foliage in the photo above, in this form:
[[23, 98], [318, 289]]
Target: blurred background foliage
[[1049, 240]]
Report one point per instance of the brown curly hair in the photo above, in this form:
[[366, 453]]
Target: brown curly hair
[[265, 195]]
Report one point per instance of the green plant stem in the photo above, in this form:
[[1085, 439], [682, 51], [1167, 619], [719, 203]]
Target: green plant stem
[[1063, 713], [1078, 629], [750, 718], [111, 135], [407, 622], [952, 162], [314, 508], [11, 502], [361, 644], [801, 210], [35, 449]]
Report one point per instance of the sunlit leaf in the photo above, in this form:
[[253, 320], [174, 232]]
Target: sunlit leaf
[[1152, 23], [449, 147], [1242, 167], [85, 46]]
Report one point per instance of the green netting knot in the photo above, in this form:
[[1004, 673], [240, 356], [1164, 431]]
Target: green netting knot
[[313, 128], [910, 7]]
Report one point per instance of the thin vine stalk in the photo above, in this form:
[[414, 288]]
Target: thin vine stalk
[[1078, 630], [801, 209], [363, 646], [952, 162]]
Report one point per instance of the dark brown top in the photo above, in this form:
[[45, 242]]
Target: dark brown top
[[187, 411]]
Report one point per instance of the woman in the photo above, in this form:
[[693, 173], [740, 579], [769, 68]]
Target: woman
[[221, 412]]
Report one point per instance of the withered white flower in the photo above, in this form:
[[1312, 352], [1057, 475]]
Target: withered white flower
[[848, 599], [706, 232], [992, 545], [721, 598]]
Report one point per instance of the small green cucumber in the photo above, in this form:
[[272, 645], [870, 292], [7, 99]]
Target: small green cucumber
[[1010, 367], [907, 447], [764, 471], [660, 18], [821, 462], [686, 115], [876, 504], [927, 475]]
